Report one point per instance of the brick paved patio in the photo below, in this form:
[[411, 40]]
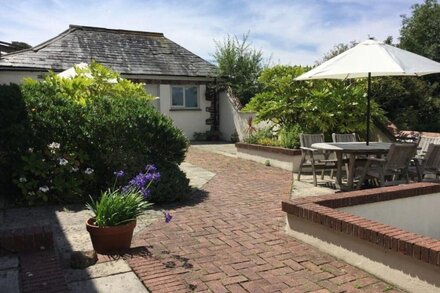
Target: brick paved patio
[[233, 240]]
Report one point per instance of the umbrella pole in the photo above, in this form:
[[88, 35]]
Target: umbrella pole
[[368, 108]]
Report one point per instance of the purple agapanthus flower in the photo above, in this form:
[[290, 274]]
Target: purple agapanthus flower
[[168, 217], [142, 181], [119, 173], [146, 193], [151, 168]]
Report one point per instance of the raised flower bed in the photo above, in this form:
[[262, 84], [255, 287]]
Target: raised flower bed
[[284, 158]]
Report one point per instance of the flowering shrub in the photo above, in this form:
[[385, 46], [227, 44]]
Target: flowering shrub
[[51, 175], [117, 206], [112, 124]]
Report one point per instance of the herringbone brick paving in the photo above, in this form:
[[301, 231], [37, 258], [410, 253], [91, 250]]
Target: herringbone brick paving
[[233, 240]]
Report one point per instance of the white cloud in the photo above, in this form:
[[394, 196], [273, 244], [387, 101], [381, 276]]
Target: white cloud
[[292, 32]]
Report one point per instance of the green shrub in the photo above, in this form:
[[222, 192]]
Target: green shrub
[[263, 136], [172, 186], [45, 175], [13, 134], [289, 136], [111, 124], [318, 106]]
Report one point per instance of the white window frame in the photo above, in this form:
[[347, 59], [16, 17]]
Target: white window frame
[[184, 97]]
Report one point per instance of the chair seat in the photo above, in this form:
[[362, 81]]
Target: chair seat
[[396, 162]]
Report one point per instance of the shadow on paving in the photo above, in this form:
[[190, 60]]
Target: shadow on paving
[[69, 234], [197, 197]]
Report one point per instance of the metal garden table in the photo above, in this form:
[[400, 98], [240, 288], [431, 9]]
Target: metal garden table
[[353, 150]]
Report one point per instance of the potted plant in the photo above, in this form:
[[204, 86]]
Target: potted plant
[[115, 212]]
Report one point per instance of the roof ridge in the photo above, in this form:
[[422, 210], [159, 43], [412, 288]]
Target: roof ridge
[[95, 28]]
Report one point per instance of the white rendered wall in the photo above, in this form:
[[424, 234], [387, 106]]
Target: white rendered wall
[[233, 120], [7, 77], [188, 120], [417, 214]]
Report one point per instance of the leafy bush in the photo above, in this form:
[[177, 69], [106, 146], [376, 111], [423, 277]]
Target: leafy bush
[[289, 136], [173, 185], [210, 135], [317, 106], [13, 134], [111, 123], [48, 174], [263, 136]]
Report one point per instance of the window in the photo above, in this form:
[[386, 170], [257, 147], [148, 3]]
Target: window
[[184, 97]]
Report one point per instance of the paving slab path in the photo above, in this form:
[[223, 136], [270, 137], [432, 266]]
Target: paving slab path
[[231, 239]]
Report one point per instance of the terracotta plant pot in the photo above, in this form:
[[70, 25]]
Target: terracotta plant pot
[[108, 240]]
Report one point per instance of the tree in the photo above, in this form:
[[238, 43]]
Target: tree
[[410, 102], [336, 50], [420, 32], [20, 45], [239, 65], [317, 106]]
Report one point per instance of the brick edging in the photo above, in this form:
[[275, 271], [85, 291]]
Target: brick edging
[[41, 272], [321, 210], [27, 239], [270, 149]]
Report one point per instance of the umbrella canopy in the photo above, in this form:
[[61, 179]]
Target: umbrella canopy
[[71, 72], [372, 58]]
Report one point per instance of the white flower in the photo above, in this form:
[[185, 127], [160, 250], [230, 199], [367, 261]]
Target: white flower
[[31, 150], [63, 162], [54, 145], [44, 189], [75, 169], [89, 171], [22, 179]]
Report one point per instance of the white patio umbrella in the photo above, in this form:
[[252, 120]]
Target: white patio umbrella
[[372, 58], [71, 72]]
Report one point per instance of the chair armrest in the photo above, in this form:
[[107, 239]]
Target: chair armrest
[[308, 149]]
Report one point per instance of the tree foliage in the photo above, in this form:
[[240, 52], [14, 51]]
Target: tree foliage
[[20, 45], [420, 32], [336, 50], [409, 102], [239, 65], [317, 106]]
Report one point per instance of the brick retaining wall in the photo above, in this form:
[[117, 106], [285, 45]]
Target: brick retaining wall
[[322, 210]]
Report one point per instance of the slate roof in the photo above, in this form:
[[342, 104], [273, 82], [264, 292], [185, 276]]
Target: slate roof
[[127, 52]]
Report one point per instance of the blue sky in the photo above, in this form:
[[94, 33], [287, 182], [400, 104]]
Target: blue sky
[[289, 32]]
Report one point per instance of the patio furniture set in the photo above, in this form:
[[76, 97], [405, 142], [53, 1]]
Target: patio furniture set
[[381, 163]]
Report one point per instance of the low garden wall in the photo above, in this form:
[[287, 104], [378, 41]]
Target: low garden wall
[[287, 159], [388, 252]]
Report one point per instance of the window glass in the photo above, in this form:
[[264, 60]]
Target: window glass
[[177, 96], [191, 97]]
